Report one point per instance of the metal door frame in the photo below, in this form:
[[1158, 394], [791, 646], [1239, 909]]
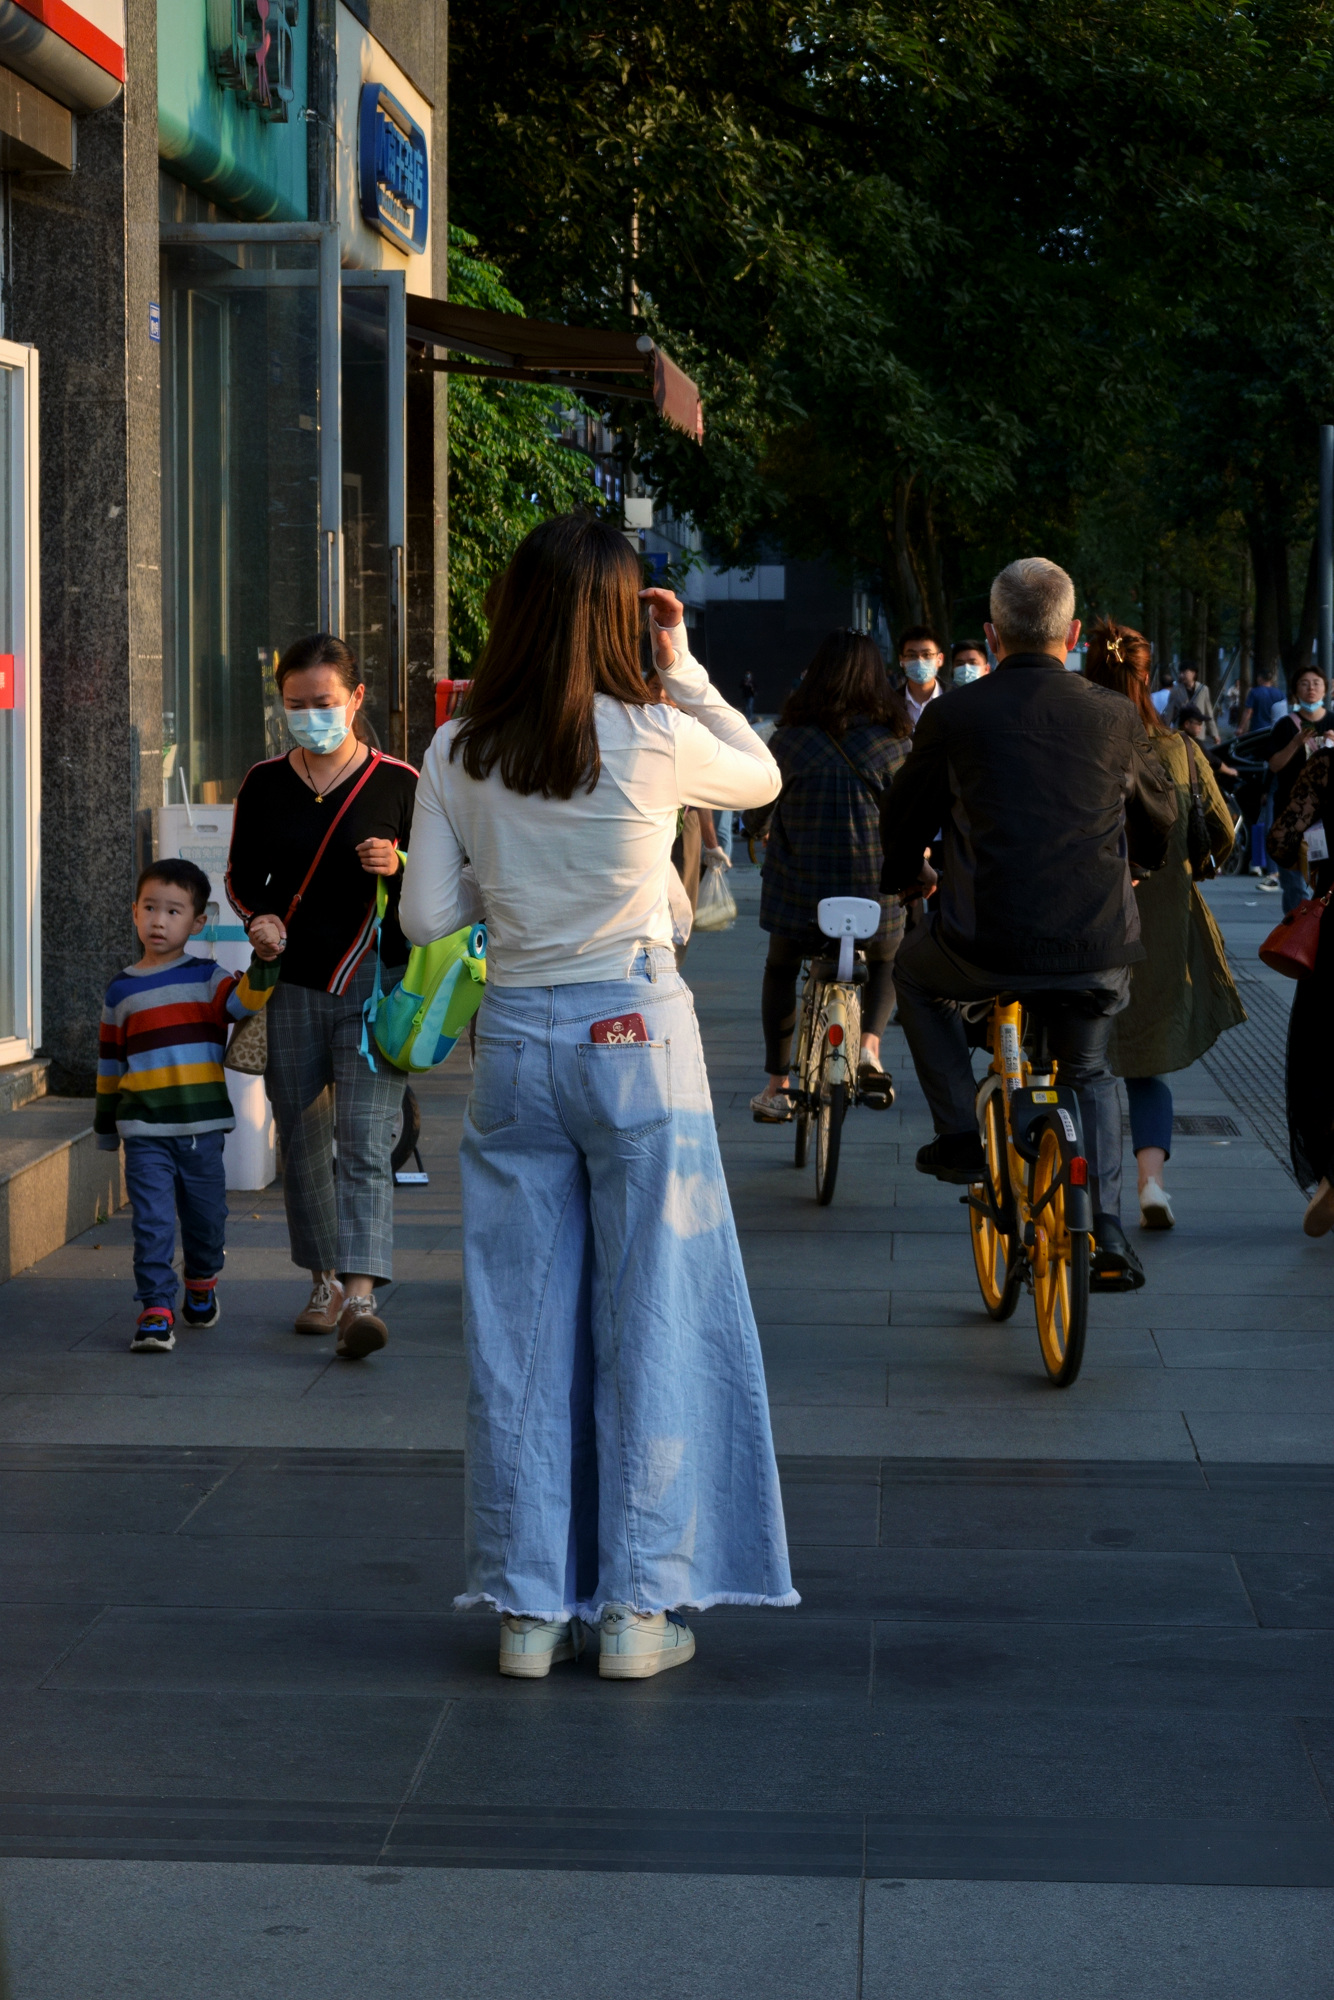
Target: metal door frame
[[395, 285], [24, 917]]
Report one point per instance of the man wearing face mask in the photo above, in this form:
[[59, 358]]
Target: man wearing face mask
[[968, 663], [921, 660]]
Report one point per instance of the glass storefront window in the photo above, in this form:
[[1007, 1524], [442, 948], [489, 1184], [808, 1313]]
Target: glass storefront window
[[241, 324]]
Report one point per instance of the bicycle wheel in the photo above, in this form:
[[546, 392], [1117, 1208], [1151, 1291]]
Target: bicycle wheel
[[805, 1082], [828, 1134], [801, 1148], [1060, 1259], [999, 1271]]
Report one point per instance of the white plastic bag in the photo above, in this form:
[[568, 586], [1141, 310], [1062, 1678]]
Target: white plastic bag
[[716, 908]]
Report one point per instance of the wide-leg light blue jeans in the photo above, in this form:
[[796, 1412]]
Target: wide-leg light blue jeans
[[618, 1446]]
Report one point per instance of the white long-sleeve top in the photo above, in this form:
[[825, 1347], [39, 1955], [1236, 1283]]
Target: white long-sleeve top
[[570, 889]]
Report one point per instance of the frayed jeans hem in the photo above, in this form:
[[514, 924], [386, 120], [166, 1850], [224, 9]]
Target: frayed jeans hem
[[591, 1613]]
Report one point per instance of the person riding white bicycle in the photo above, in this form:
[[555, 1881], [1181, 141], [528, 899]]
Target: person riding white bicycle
[[1048, 793], [840, 738]]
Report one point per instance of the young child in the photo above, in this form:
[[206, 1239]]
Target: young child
[[161, 1091]]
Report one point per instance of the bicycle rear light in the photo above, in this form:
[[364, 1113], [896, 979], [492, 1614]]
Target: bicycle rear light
[[835, 1034], [1079, 1172]]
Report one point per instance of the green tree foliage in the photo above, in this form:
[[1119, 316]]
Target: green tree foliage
[[508, 469], [956, 279]]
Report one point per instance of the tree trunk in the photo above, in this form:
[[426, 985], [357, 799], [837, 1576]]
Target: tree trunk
[[1298, 654], [901, 586], [1212, 673], [1245, 631], [937, 595], [1268, 651]]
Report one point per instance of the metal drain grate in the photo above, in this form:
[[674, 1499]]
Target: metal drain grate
[[1205, 1125]]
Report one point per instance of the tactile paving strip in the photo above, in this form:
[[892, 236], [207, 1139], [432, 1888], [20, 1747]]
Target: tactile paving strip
[[1249, 1063]]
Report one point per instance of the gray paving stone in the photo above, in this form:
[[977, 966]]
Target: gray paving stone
[[165, 1743], [154, 1931], [1093, 1941], [1150, 1667], [900, 1759], [356, 1574], [997, 1586]]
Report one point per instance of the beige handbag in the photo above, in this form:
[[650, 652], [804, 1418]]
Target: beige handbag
[[248, 1049]]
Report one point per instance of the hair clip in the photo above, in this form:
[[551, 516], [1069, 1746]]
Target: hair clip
[[1114, 650]]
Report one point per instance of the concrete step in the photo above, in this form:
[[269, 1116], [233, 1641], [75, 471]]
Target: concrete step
[[54, 1182], [22, 1083]]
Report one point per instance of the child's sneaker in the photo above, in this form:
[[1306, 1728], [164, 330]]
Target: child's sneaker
[[155, 1333], [201, 1306]]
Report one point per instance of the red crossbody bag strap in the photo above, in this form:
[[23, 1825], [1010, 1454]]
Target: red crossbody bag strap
[[333, 825]]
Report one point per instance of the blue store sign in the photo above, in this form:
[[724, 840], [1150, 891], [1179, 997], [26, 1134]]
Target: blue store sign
[[394, 169]]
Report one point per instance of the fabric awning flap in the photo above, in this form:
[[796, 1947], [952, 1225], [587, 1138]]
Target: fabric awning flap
[[538, 350]]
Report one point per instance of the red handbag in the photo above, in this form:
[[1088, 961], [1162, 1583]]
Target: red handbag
[[1291, 946]]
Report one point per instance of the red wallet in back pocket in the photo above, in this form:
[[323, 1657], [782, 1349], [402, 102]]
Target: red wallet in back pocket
[[623, 1028]]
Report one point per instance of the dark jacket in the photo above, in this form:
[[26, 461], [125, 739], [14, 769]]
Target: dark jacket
[[1045, 786], [824, 833]]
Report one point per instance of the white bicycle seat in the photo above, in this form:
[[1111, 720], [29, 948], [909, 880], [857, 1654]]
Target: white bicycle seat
[[848, 918]]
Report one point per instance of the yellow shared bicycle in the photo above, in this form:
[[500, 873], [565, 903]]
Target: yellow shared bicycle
[[1031, 1215]]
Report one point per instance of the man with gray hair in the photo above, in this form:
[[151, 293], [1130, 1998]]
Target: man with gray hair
[[1048, 794]]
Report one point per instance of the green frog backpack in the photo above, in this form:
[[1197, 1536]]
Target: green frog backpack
[[416, 1026]]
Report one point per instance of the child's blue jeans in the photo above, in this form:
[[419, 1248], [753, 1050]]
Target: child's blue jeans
[[167, 1178], [618, 1443]]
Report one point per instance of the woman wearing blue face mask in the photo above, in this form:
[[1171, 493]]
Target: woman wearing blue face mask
[[1296, 735], [312, 832]]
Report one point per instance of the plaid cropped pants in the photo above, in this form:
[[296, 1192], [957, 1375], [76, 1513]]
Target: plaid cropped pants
[[320, 1084]]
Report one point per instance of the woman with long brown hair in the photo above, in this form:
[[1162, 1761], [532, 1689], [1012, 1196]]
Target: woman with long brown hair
[[1181, 995], [619, 1460], [841, 736]]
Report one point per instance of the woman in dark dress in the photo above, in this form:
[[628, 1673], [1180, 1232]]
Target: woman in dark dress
[[842, 734], [1310, 1086]]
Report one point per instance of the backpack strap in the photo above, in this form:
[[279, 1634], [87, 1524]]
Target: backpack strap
[[873, 785], [371, 762]]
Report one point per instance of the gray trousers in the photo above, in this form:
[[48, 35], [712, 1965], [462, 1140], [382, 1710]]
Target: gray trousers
[[319, 1083], [1077, 1009]]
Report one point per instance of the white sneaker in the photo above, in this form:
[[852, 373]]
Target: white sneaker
[[1155, 1210], [770, 1110], [638, 1644], [531, 1647]]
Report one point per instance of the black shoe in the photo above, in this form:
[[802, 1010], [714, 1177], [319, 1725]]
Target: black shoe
[[957, 1157], [201, 1306], [875, 1086], [1114, 1267]]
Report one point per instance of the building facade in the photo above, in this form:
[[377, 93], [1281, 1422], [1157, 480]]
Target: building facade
[[216, 434]]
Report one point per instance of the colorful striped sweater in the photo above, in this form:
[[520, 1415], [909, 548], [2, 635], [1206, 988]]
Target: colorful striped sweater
[[164, 1032]]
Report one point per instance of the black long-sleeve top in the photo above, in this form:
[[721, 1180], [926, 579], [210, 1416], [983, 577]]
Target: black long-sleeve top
[[1046, 788], [277, 828]]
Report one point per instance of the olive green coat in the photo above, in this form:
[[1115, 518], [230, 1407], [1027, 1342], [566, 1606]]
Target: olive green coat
[[1181, 995]]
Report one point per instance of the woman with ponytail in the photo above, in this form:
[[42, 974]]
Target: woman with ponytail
[[1181, 996]]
